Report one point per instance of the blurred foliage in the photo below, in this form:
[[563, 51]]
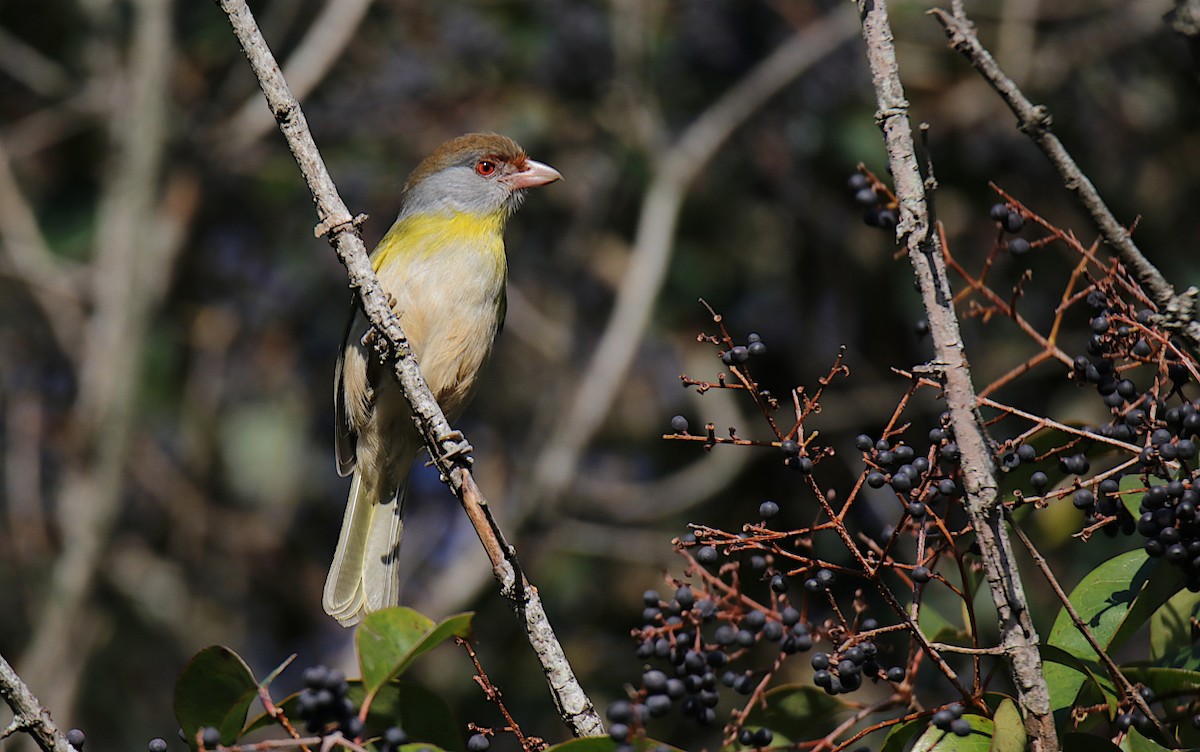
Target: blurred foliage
[[231, 503]]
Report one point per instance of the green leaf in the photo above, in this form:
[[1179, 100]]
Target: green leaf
[[1009, 733], [1173, 639], [979, 740], [1165, 682], [214, 689], [606, 744], [1130, 498], [902, 733], [1139, 743], [1111, 601], [1074, 742], [797, 711], [422, 714], [389, 640], [385, 639]]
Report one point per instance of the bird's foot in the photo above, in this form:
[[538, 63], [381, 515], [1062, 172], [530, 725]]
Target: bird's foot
[[460, 451]]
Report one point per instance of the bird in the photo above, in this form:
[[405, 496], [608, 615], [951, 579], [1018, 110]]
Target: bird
[[444, 266]]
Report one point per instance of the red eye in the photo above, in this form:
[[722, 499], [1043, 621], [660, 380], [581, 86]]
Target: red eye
[[485, 167]]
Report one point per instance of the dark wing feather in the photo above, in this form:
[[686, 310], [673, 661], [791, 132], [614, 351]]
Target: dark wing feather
[[345, 440]]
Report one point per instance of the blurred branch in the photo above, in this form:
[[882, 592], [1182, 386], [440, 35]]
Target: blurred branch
[[24, 63], [1017, 38], [1034, 121], [327, 38], [916, 234], [129, 262], [24, 433], [29, 715], [555, 467], [51, 281], [447, 447]]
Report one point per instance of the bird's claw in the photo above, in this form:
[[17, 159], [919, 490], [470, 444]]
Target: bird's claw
[[459, 452]]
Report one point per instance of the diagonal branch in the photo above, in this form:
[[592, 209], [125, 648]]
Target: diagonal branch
[[1034, 121], [29, 715], [915, 233], [447, 447]]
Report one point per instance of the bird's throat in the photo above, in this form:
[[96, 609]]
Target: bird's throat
[[417, 237]]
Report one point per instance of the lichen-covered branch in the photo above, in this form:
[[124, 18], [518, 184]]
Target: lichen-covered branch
[[917, 235], [29, 715]]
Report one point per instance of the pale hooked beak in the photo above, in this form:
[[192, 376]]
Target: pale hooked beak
[[534, 174]]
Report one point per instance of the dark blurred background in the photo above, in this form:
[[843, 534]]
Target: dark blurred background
[[168, 323]]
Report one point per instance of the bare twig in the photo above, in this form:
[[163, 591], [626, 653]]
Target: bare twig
[[1110, 665], [919, 239], [446, 446], [1034, 121], [28, 714]]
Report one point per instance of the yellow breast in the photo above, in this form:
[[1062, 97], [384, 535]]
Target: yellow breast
[[447, 273]]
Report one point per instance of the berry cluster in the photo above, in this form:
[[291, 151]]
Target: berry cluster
[[739, 354], [1010, 221], [879, 208], [950, 720], [916, 480], [1121, 340], [1171, 526], [323, 703]]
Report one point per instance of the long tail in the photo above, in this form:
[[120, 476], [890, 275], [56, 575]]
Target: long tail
[[364, 575]]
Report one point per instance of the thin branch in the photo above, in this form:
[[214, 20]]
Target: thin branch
[[1110, 665], [447, 447], [51, 281], [1034, 121], [30, 715], [918, 237]]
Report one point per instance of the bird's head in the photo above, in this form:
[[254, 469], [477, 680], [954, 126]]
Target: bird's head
[[479, 173]]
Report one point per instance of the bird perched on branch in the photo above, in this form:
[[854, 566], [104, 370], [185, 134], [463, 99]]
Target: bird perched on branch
[[443, 263]]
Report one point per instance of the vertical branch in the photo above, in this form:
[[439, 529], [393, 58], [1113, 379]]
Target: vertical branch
[[916, 235]]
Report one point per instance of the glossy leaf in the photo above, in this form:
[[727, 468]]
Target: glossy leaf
[[797, 711], [1174, 641], [1104, 599], [1165, 681], [215, 689], [422, 714], [1139, 743], [979, 740], [1009, 730], [901, 734], [389, 640]]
